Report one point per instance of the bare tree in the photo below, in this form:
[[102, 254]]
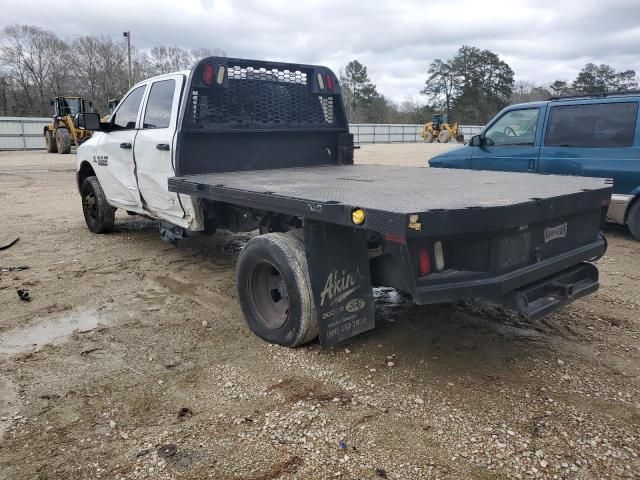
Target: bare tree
[[112, 70], [86, 64], [528, 92], [200, 53], [169, 59], [4, 101]]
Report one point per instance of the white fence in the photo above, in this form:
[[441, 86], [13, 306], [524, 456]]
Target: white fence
[[23, 133], [397, 133]]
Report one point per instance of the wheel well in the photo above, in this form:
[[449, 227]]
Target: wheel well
[[85, 171]]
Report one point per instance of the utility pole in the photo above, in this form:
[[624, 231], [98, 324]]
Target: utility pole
[[127, 35]]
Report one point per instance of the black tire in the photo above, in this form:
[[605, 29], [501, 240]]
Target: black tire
[[444, 136], [50, 142], [274, 289], [98, 214], [428, 137], [633, 219], [63, 140]]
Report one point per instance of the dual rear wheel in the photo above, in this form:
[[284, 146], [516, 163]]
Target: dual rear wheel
[[274, 289]]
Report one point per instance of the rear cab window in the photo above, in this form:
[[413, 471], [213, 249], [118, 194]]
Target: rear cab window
[[592, 125], [159, 104]]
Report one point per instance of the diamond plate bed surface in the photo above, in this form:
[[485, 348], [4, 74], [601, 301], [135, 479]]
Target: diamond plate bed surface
[[398, 189]]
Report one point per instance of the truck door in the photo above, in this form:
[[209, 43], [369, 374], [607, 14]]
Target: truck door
[[511, 143], [154, 148], [116, 160]]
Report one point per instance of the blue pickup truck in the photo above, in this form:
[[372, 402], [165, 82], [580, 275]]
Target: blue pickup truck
[[591, 136]]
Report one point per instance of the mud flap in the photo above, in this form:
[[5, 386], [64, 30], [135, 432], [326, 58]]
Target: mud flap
[[338, 262]]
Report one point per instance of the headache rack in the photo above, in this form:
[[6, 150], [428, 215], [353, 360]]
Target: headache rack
[[233, 103]]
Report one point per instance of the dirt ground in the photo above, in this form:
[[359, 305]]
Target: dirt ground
[[132, 360]]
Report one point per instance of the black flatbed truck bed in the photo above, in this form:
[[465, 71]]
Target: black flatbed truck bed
[[264, 145], [447, 201]]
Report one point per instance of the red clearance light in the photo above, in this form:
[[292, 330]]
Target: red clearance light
[[425, 262], [208, 74], [389, 237], [328, 81]]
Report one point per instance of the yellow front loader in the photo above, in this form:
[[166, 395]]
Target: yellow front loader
[[441, 130], [60, 135]]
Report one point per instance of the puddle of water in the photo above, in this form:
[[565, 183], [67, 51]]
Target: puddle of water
[[49, 331]]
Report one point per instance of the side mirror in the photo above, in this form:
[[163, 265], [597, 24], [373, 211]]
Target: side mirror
[[87, 121], [476, 141]]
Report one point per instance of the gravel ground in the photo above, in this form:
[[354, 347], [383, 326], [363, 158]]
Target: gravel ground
[[132, 360]]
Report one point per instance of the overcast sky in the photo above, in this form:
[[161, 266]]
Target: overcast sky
[[542, 40]]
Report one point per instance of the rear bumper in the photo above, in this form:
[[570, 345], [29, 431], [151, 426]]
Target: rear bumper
[[618, 208], [542, 297], [500, 288]]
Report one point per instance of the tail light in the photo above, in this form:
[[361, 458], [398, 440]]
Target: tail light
[[425, 261], [320, 81], [329, 82], [208, 74]]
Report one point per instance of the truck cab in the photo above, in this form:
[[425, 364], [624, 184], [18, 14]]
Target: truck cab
[[591, 136], [134, 153]]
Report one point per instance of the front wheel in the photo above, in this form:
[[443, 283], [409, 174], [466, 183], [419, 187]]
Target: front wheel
[[98, 214], [63, 140], [50, 142], [444, 136], [428, 137], [274, 289], [633, 219]]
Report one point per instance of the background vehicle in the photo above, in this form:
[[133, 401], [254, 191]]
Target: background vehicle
[[594, 136], [440, 129], [246, 145], [61, 133]]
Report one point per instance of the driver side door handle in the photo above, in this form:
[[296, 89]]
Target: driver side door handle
[[126, 146], [163, 146]]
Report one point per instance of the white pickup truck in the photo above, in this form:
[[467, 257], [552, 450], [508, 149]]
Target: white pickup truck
[[132, 161], [247, 145]]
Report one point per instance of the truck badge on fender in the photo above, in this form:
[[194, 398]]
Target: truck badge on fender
[[102, 160]]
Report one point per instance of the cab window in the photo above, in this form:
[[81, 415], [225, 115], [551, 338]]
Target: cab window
[[592, 125], [125, 117], [514, 128], [158, 112]]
